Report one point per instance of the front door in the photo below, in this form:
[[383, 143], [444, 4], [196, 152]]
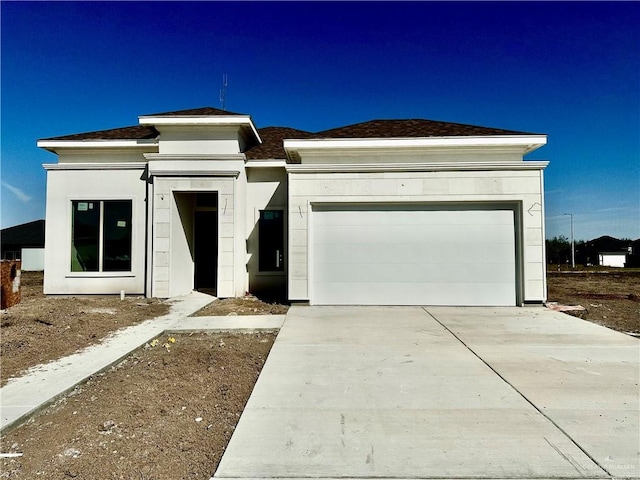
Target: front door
[[205, 248]]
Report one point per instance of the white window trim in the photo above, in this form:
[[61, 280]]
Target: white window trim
[[101, 198]]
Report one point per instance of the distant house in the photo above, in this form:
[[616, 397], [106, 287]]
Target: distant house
[[384, 212], [612, 251], [612, 259], [24, 242]]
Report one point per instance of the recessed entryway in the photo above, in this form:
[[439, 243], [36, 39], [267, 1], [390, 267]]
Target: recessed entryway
[[205, 245]]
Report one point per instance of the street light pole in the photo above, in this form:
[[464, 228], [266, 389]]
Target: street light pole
[[573, 249]]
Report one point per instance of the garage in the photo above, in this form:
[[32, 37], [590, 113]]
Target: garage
[[413, 254]]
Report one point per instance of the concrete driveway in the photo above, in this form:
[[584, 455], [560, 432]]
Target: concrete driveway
[[441, 392]]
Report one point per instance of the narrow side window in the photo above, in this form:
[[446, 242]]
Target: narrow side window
[[85, 236], [271, 241], [116, 236]]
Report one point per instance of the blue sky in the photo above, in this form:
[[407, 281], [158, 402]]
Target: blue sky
[[570, 70]]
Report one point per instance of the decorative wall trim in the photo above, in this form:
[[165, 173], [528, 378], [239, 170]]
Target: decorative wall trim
[[414, 167], [95, 166]]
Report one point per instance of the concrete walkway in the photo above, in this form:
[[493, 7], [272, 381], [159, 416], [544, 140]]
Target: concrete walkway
[[407, 392], [21, 397]]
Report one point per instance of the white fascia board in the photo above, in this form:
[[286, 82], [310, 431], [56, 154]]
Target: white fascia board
[[196, 120], [95, 166], [53, 145], [267, 163], [193, 156], [414, 167], [526, 142]]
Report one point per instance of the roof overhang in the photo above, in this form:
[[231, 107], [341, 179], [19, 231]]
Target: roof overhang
[[55, 145], [242, 122], [522, 144]]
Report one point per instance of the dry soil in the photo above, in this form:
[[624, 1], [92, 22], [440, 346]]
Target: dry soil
[[165, 412], [611, 298], [40, 329]]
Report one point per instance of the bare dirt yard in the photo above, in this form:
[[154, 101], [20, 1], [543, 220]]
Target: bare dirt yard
[[40, 329], [165, 412], [248, 305], [611, 297]]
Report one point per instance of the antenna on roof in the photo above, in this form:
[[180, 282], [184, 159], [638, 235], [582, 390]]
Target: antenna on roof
[[223, 92]]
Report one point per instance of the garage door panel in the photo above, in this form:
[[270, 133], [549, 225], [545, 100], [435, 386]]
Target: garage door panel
[[392, 256], [427, 253], [393, 235], [345, 293], [412, 273]]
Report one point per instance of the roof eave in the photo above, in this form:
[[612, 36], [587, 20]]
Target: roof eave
[[55, 145], [525, 143], [243, 121]]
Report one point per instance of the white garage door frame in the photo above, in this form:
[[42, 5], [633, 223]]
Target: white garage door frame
[[515, 207]]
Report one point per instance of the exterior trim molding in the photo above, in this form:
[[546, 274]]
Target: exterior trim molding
[[528, 143], [97, 144], [271, 163], [414, 167], [95, 166], [194, 173], [243, 121], [192, 156]]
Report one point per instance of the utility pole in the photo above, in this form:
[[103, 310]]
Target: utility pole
[[573, 248]]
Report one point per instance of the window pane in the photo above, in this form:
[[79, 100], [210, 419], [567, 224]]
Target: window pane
[[85, 236], [116, 248], [271, 241]]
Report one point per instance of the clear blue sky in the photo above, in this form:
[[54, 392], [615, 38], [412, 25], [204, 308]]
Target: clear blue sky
[[570, 70]]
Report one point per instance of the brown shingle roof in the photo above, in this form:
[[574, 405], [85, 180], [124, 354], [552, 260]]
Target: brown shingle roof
[[272, 137], [272, 146], [202, 111], [411, 128], [137, 132]]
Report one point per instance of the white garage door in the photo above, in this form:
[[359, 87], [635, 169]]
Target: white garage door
[[412, 255]]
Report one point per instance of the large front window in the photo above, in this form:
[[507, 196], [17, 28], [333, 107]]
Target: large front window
[[101, 236]]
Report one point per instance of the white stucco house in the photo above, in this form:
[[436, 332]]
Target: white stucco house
[[386, 212]]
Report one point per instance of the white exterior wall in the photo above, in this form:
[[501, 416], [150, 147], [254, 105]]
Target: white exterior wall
[[185, 140], [63, 186], [266, 189], [515, 185], [32, 259]]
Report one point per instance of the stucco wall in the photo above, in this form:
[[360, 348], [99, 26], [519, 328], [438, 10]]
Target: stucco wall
[[64, 186], [515, 185], [177, 140]]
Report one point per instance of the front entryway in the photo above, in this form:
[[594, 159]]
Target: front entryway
[[205, 244]]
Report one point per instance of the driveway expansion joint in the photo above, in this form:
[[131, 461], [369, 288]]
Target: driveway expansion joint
[[521, 394]]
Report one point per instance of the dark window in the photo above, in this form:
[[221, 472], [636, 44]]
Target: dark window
[[101, 236], [271, 240], [116, 237], [85, 236]]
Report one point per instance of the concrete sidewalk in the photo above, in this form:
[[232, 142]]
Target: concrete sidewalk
[[392, 392], [23, 396]]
